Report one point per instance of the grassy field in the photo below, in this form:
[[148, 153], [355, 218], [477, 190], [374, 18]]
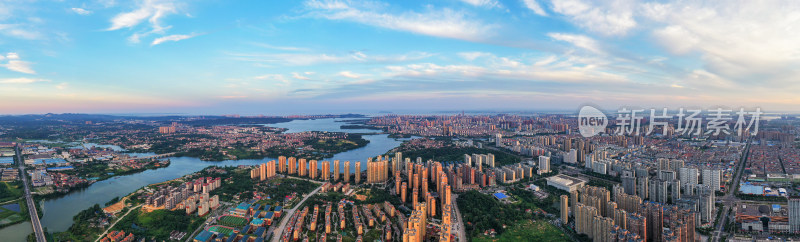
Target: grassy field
[[10, 191], [528, 231], [233, 221]]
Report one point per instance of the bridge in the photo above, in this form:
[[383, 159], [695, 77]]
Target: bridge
[[151, 157], [37, 225]]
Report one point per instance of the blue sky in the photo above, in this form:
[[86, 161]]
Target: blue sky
[[279, 57]]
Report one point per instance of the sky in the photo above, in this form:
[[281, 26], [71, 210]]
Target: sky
[[335, 56]]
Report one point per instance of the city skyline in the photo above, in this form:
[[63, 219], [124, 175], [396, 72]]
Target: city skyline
[[219, 57]]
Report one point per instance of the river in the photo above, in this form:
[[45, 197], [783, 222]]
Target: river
[[58, 212]]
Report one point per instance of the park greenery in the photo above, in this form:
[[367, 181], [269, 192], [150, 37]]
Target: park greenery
[[321, 149], [157, 225], [527, 231], [278, 189], [236, 182], [101, 170], [482, 212]]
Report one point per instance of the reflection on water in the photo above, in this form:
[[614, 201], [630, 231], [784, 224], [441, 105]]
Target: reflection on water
[[58, 212], [17, 232]]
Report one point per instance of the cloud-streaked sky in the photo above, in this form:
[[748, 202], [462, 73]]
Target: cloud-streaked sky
[[274, 57]]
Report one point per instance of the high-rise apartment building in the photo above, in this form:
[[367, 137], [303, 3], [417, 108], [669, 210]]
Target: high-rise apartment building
[[292, 165], [564, 209], [346, 171], [711, 178], [544, 165], [358, 172], [794, 214], [336, 172]]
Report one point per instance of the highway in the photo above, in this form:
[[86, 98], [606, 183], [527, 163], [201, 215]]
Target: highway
[[37, 225]]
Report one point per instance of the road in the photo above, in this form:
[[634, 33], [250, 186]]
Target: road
[[459, 223], [289, 214], [115, 223], [730, 200], [37, 225]]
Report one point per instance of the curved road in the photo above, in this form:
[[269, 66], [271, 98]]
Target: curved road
[[277, 236], [115, 223]]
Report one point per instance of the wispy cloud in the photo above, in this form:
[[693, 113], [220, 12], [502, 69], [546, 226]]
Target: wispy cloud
[[305, 59], [446, 23], [296, 75], [612, 17], [349, 74], [274, 77], [81, 11], [15, 64], [483, 3], [535, 7], [173, 38], [471, 56], [284, 48], [21, 80], [233, 97], [21, 31], [150, 10], [581, 41]]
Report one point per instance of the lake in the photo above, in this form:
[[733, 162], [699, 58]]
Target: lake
[[58, 212]]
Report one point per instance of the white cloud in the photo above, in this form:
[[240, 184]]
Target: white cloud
[[349, 74], [20, 66], [284, 48], [62, 86], [152, 10], [15, 64], [535, 7], [482, 3], [296, 75], [545, 69], [471, 56], [612, 17], [21, 80], [444, 23], [579, 41], [304, 59], [274, 77], [81, 11], [233, 97], [174, 37], [738, 40], [22, 31]]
